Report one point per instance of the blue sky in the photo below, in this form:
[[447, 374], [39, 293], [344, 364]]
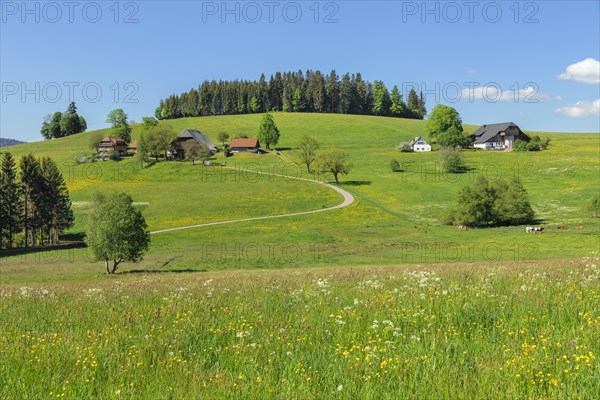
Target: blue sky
[[534, 63]]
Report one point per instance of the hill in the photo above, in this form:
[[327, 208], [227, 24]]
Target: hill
[[394, 219], [4, 142]]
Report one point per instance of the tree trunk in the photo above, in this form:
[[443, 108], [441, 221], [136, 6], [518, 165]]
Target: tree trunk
[[26, 222], [107, 269], [115, 264]]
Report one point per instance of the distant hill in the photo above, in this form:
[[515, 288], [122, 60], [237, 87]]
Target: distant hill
[[9, 142]]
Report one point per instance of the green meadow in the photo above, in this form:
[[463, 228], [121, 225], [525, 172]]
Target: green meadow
[[376, 300], [448, 331], [393, 221]]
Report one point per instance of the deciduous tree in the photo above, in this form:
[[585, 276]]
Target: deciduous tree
[[222, 137], [116, 231], [268, 132], [441, 119], [336, 162], [120, 127], [308, 147]]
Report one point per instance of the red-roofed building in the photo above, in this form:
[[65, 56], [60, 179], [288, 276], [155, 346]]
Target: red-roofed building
[[244, 144]]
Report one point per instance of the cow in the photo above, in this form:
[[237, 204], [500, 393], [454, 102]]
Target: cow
[[561, 228], [534, 229], [579, 227], [462, 227]]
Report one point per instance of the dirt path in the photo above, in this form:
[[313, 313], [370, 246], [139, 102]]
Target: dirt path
[[348, 199]]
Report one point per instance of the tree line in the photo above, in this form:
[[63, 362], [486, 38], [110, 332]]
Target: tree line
[[312, 91], [61, 124], [34, 202]]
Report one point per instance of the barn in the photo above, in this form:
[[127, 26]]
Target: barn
[[192, 134], [245, 144]]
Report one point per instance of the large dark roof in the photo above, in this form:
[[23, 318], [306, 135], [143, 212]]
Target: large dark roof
[[198, 137], [415, 140], [486, 132]]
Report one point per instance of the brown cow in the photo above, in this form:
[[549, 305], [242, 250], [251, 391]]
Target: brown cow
[[579, 227]]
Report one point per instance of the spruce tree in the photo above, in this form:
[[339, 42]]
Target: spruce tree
[[11, 202], [398, 107], [57, 205], [381, 99], [31, 183]]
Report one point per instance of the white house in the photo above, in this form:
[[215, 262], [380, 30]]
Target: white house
[[419, 144]]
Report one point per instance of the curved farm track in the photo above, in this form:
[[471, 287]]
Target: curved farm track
[[348, 200]]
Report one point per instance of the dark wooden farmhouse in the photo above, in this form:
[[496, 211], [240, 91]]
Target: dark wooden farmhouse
[[192, 134], [132, 148], [497, 136], [111, 143], [249, 145]]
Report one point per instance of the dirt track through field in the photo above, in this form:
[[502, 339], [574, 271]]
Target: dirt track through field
[[348, 199]]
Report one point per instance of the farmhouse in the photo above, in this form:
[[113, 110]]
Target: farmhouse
[[132, 148], [111, 143], [419, 144], [249, 145], [497, 136], [192, 134]]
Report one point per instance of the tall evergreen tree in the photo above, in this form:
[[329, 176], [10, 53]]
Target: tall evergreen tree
[[421, 106], [263, 94], [381, 104], [413, 102], [332, 89], [11, 202], [398, 107], [345, 103], [31, 187], [58, 215], [297, 101]]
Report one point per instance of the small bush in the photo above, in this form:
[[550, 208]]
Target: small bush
[[395, 166], [227, 151], [113, 155], [448, 217], [404, 148], [451, 160], [535, 144]]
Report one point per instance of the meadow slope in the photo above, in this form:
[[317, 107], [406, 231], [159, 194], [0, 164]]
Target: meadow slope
[[393, 221]]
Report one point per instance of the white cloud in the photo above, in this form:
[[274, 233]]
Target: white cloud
[[580, 109], [471, 71], [494, 94], [586, 71]]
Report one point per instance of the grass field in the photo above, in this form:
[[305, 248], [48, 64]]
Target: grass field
[[375, 300], [500, 330], [393, 221]]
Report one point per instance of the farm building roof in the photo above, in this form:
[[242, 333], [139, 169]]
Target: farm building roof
[[198, 137], [112, 139], [244, 143], [486, 132]]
